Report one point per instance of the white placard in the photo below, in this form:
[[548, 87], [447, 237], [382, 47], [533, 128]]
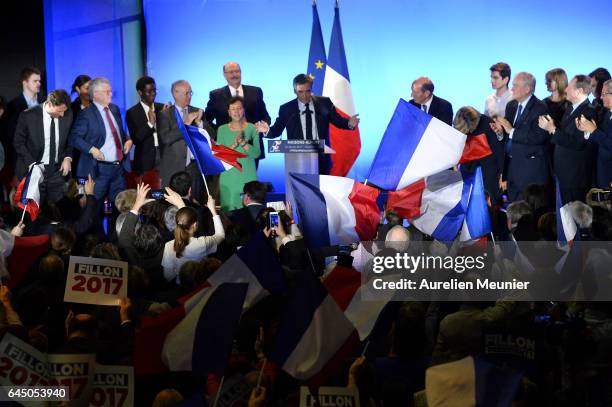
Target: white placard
[[96, 281], [113, 386], [74, 371], [330, 397]]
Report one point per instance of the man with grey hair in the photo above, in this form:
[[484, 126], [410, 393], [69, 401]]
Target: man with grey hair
[[574, 156], [526, 160], [99, 135], [175, 155], [515, 211], [398, 238], [602, 137]]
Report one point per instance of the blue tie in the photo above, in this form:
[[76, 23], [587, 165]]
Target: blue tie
[[516, 119]]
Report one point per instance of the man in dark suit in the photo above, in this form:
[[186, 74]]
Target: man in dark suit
[[307, 118], [574, 155], [424, 99], [141, 120], [527, 160], [42, 136], [601, 136], [254, 105], [253, 199], [175, 155], [98, 134], [30, 97]]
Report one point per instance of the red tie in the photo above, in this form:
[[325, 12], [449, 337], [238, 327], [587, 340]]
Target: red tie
[[115, 135]]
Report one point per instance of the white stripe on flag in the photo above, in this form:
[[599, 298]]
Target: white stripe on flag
[[235, 271], [567, 220], [327, 332], [338, 89], [341, 219], [177, 352], [436, 204], [36, 178], [440, 148]]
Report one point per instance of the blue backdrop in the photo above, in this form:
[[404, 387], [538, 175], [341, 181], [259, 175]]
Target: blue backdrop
[[388, 44]]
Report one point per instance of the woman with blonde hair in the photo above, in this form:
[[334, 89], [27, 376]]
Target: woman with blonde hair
[[185, 247], [469, 121], [556, 82]]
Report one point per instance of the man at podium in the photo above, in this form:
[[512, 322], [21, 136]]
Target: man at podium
[[307, 118]]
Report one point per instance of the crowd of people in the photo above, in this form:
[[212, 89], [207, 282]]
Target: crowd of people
[[97, 199]]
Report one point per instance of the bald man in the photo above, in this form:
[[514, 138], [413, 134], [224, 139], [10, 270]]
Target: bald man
[[254, 105], [424, 99]]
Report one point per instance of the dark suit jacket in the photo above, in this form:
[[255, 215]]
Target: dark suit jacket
[[89, 131], [172, 144], [603, 138], [254, 106], [325, 113], [440, 109], [138, 126], [246, 216], [492, 165], [574, 156], [529, 162], [13, 110], [29, 139]]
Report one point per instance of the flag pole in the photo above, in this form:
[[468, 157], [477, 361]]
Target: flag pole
[[219, 391], [205, 184], [492, 238], [23, 213], [261, 372]]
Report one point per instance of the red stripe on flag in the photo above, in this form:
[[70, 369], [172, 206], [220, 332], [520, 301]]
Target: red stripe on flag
[[339, 363], [342, 283], [347, 144], [227, 155], [363, 198], [26, 251], [476, 147], [407, 202]]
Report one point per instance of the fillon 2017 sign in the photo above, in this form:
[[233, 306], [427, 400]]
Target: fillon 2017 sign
[[96, 281]]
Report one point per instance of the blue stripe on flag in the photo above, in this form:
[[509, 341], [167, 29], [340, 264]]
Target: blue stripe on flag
[[317, 62], [308, 296], [263, 263], [337, 56], [312, 209], [451, 223], [477, 217], [401, 138], [217, 324]]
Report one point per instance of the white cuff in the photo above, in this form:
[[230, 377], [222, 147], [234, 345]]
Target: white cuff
[[587, 135], [511, 134]]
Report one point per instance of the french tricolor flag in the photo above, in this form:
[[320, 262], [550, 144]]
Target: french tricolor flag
[[27, 195], [195, 336], [335, 210], [477, 222], [337, 86], [435, 205], [256, 264], [416, 145], [567, 230], [324, 324], [212, 158]]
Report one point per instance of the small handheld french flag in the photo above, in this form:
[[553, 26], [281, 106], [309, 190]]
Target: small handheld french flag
[[27, 196], [212, 158]]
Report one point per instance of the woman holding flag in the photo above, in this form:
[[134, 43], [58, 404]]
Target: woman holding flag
[[240, 136]]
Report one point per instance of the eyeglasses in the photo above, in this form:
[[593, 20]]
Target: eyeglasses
[[606, 93], [189, 93], [108, 92]]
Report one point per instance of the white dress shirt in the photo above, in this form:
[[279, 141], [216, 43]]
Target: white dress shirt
[[108, 148], [302, 107], [523, 104], [496, 105], [427, 104], [31, 102], [151, 125], [240, 91], [47, 128]]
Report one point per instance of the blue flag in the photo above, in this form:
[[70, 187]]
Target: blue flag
[[317, 60], [477, 222]]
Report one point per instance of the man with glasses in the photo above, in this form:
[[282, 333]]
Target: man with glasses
[[98, 134], [141, 120], [175, 155], [254, 105]]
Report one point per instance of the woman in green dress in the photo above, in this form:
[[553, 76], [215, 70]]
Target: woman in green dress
[[240, 136]]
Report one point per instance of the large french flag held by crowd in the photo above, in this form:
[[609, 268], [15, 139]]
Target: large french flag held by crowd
[[337, 86], [212, 158], [436, 205], [416, 145], [27, 196], [335, 210]]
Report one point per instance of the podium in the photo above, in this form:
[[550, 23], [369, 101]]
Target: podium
[[301, 156]]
